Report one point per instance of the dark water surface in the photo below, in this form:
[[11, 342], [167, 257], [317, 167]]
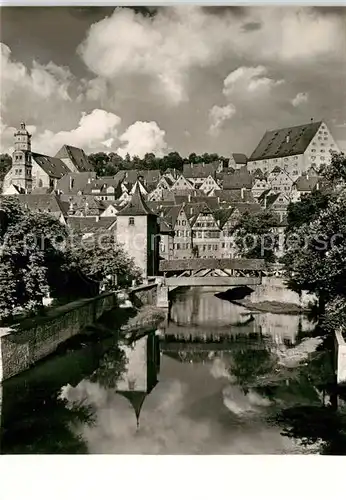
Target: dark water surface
[[214, 380]]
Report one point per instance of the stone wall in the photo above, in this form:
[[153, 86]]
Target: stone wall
[[144, 295], [33, 339]]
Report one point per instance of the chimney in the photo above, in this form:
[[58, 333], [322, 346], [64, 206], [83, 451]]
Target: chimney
[[189, 198], [89, 180], [288, 138], [265, 202], [242, 193], [97, 218], [218, 200], [307, 176], [317, 187]]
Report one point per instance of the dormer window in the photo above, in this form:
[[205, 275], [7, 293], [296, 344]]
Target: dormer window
[[131, 221]]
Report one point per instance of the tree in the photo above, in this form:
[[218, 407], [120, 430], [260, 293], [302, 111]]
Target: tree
[[101, 258], [41, 255], [306, 210], [5, 165], [28, 245], [315, 258], [255, 235], [99, 162]]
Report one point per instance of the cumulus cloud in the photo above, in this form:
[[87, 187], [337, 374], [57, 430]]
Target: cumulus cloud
[[300, 98], [167, 46], [93, 129], [249, 80], [43, 81], [143, 137], [218, 115]]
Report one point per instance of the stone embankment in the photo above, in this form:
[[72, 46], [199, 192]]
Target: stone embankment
[[32, 339]]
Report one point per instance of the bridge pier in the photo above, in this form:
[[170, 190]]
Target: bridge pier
[[162, 293]]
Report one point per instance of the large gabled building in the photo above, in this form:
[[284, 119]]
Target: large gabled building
[[294, 149]]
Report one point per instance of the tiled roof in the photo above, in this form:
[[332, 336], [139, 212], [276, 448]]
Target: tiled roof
[[248, 207], [77, 156], [75, 182], [240, 178], [200, 170], [137, 205], [54, 167], [258, 174], [222, 216], [86, 224], [234, 195], [240, 158], [50, 203], [306, 183], [274, 144], [149, 176], [172, 214], [103, 182]]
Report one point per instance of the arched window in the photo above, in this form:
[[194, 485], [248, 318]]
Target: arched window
[[131, 221]]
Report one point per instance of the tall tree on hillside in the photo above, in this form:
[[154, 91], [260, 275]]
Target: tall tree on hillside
[[315, 258]]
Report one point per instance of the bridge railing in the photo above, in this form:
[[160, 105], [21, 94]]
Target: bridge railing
[[194, 264]]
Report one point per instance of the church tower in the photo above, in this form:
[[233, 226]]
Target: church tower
[[21, 171]]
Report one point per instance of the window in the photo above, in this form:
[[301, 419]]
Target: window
[[322, 158], [178, 246], [313, 151], [131, 221], [183, 223], [313, 157], [322, 151], [296, 157]]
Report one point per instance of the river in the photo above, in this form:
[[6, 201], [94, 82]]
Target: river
[[214, 379]]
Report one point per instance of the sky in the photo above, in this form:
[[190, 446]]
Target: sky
[[186, 79]]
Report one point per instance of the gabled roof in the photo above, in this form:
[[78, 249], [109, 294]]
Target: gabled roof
[[263, 195], [306, 183], [87, 224], [74, 182], [222, 215], [276, 170], [247, 207], [234, 195], [172, 214], [200, 170], [239, 158], [240, 178], [102, 183], [274, 144], [50, 203], [149, 176], [137, 205], [258, 174], [53, 167], [77, 156]]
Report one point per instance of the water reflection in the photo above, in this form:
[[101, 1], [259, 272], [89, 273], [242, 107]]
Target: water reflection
[[209, 382]]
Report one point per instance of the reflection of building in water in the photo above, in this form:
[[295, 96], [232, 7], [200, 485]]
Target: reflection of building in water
[[204, 310], [141, 375]]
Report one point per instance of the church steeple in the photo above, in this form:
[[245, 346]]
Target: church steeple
[[21, 171]]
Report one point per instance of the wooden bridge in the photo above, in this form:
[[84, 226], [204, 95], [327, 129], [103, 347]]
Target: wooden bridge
[[208, 272]]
